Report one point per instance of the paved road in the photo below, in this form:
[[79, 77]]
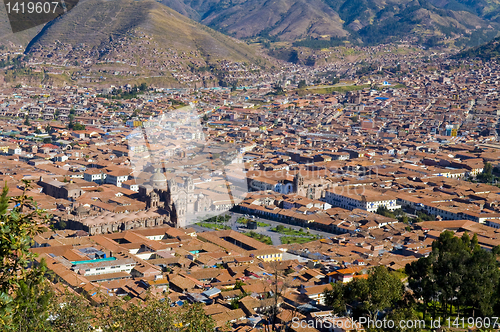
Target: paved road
[[275, 237]]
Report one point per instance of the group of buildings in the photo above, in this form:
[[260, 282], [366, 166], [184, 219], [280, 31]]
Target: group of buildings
[[125, 185]]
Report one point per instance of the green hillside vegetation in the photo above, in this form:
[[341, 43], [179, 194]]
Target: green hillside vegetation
[[489, 9], [488, 51]]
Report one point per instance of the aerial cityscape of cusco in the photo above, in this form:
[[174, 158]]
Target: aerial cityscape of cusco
[[250, 166]]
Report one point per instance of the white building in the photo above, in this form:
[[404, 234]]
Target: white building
[[359, 198], [104, 266], [117, 177], [94, 175]]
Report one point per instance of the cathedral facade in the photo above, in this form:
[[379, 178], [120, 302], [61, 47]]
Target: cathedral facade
[[177, 198]]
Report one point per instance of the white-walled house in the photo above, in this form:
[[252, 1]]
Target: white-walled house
[[359, 198]]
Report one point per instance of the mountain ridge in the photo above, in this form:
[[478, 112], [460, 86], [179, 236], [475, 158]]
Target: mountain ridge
[[109, 40], [370, 21], [97, 22]]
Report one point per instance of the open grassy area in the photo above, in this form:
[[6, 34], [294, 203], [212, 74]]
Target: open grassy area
[[290, 231], [327, 90], [244, 221], [294, 236], [259, 237], [463, 322], [215, 223]]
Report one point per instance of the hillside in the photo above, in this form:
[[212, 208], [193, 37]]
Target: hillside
[[488, 9], [488, 51], [98, 22], [369, 21], [108, 40]]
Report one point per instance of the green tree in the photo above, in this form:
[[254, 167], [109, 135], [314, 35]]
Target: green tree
[[72, 313], [302, 84], [280, 228], [238, 284], [449, 255], [24, 291], [336, 298], [486, 176], [480, 282], [406, 314], [459, 273], [421, 281], [75, 125], [235, 303], [61, 224], [278, 89], [194, 319], [380, 291], [404, 219], [383, 211]]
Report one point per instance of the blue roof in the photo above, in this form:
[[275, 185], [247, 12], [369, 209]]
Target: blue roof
[[211, 292], [381, 98], [94, 261]]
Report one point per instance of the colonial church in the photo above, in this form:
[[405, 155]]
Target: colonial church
[[312, 188], [178, 198]]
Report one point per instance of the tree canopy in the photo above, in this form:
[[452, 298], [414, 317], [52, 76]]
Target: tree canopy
[[457, 278], [459, 273]]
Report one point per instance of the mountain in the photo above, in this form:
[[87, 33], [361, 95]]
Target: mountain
[[488, 51], [488, 9], [371, 21], [99, 22], [108, 40]]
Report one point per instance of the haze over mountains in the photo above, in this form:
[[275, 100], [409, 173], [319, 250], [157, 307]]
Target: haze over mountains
[[489, 9], [488, 51], [372, 21]]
